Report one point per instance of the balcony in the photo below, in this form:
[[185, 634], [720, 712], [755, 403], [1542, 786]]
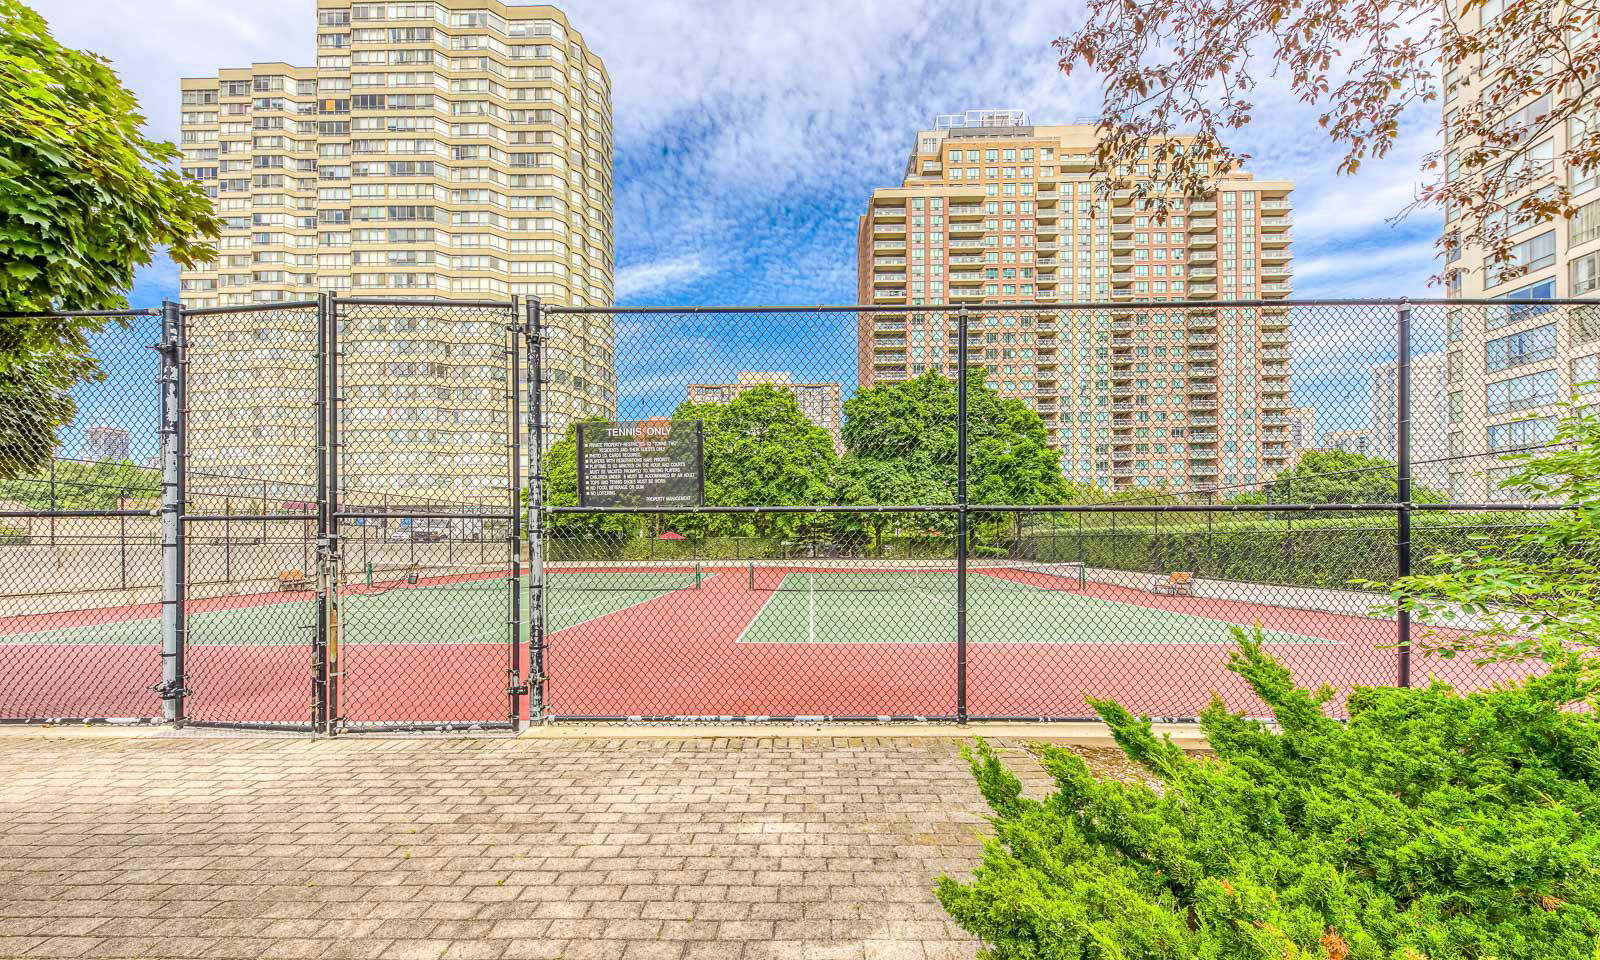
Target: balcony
[[965, 210], [889, 280], [1203, 421], [895, 293], [1202, 224], [1274, 240], [1276, 255], [1202, 207], [1123, 228], [882, 214], [1274, 224], [1275, 290], [1202, 291], [1121, 278]]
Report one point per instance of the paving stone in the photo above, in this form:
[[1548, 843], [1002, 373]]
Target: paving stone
[[494, 848]]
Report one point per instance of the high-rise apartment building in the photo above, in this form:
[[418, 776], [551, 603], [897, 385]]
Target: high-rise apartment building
[[1509, 366], [993, 210], [821, 403], [1358, 440], [1429, 417], [1302, 429], [448, 149], [106, 444]]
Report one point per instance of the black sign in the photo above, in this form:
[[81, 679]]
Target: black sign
[[641, 463]]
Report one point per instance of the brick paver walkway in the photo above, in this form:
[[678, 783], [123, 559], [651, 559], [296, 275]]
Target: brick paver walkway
[[431, 848]]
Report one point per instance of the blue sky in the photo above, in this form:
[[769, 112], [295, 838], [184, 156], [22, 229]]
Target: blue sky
[[750, 134]]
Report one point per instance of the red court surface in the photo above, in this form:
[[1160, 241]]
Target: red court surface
[[688, 653]]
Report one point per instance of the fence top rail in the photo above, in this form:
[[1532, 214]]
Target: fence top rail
[[249, 308], [1185, 306], [130, 312], [1078, 508], [421, 302]]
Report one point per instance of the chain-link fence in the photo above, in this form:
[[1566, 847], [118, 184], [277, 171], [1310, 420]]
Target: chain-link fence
[[310, 515], [1113, 489], [80, 531]]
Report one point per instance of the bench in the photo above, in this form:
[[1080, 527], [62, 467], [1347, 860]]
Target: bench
[[291, 580], [1179, 583]]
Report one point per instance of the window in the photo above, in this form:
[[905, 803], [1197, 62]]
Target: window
[[1496, 317], [1586, 374], [1585, 224], [1530, 346], [1585, 274], [1534, 253], [1521, 393], [1521, 434]]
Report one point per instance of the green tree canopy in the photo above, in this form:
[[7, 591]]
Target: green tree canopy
[[84, 199], [760, 450], [84, 486], [561, 490], [1532, 594], [1334, 476], [910, 427]]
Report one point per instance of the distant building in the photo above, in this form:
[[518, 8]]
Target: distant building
[[1430, 417], [105, 444], [1349, 441], [1302, 429], [993, 210], [822, 403]]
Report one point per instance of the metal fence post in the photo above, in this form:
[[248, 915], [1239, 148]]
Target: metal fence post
[[172, 506], [961, 515], [537, 690], [515, 688], [1403, 456], [321, 719]]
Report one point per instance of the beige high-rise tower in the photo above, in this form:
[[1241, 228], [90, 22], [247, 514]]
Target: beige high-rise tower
[[452, 149], [994, 211], [1509, 367]]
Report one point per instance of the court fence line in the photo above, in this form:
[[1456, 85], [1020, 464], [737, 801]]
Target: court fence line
[[281, 563]]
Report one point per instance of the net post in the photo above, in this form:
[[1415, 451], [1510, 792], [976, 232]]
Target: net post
[[961, 515], [533, 330], [1403, 469], [173, 495], [514, 688]]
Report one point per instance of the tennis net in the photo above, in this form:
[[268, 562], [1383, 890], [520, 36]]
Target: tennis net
[[847, 578], [624, 578]]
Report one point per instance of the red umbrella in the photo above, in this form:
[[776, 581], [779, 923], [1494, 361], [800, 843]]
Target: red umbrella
[[669, 535]]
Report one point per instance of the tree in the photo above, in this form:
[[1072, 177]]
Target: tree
[[84, 198], [1431, 825], [1536, 593], [1334, 476], [85, 486], [561, 490], [760, 450], [900, 442], [1178, 67]]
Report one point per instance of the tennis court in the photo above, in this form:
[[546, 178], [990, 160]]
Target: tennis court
[[848, 639]]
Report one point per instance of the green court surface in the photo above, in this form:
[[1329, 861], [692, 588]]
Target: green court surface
[[469, 611], [920, 608]]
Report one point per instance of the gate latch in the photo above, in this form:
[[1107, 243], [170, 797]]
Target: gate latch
[[171, 690]]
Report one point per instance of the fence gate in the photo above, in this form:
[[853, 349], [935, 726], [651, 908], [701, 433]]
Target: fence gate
[[424, 485], [249, 402]]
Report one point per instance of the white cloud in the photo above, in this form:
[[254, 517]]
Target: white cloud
[[660, 275]]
